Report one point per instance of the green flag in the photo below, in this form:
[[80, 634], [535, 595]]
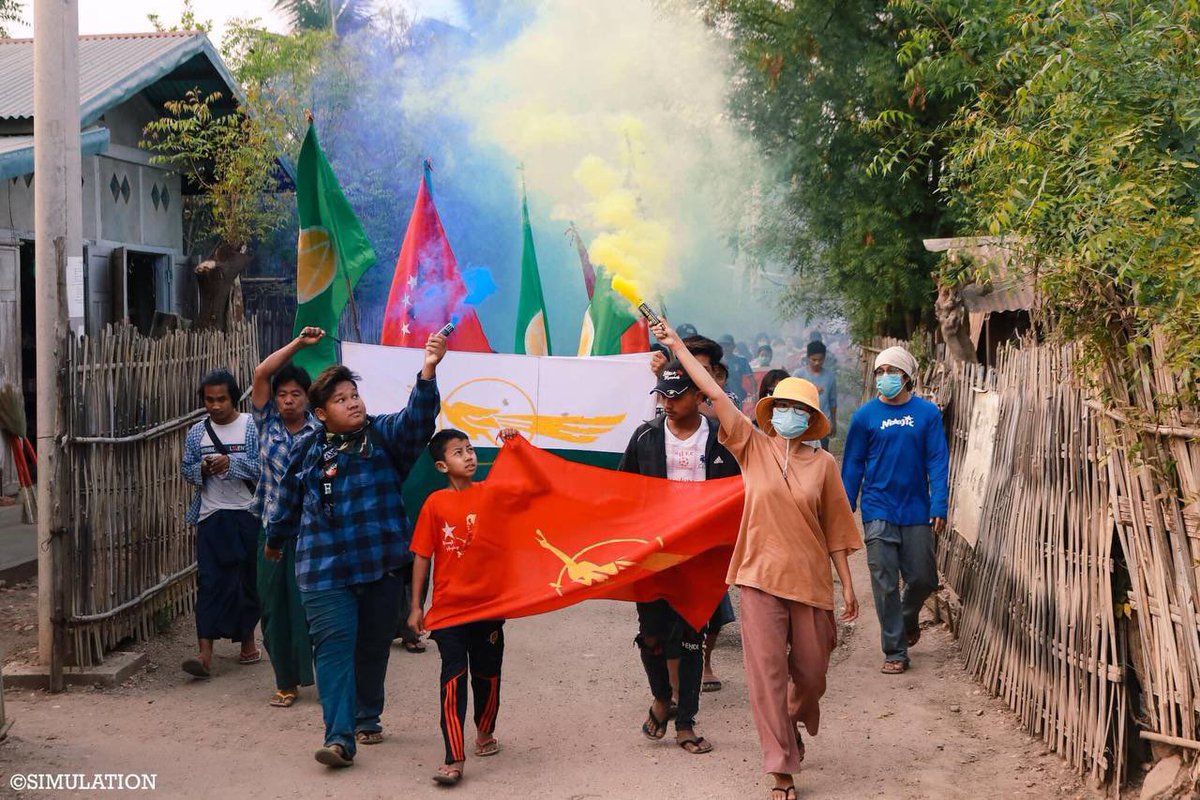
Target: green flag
[[610, 325], [533, 334], [332, 253]]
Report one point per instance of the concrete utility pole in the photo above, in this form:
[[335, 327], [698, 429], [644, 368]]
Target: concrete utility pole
[[58, 226]]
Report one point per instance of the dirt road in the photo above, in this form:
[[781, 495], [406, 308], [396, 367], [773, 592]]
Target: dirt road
[[574, 697]]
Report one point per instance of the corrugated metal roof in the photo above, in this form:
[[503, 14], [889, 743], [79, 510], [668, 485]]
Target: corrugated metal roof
[[113, 68], [1010, 286], [16, 152]]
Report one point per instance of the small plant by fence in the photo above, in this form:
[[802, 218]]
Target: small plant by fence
[[129, 559], [1067, 518]]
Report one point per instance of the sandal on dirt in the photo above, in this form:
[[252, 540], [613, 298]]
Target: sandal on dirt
[[195, 667], [894, 667], [713, 685], [489, 748], [333, 755], [914, 636], [284, 699], [449, 778], [368, 737], [697, 745], [247, 659], [654, 728], [414, 646], [780, 793]]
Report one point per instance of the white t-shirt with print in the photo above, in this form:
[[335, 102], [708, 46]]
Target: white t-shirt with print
[[225, 492], [685, 457]]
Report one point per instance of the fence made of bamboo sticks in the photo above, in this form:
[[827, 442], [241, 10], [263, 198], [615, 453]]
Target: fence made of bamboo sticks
[[1085, 510], [129, 558]]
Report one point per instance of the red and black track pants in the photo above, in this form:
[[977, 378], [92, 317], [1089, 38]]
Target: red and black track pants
[[477, 647]]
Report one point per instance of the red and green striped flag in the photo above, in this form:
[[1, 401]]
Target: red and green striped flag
[[533, 332], [611, 325]]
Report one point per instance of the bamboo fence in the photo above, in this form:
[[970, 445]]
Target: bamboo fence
[[129, 558], [1077, 603]]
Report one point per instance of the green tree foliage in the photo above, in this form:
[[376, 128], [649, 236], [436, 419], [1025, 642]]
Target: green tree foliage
[[811, 77], [340, 17], [1075, 136], [10, 11], [188, 21], [230, 160]]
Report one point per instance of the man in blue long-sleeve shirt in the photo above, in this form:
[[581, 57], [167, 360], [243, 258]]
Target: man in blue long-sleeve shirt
[[341, 498], [896, 454]]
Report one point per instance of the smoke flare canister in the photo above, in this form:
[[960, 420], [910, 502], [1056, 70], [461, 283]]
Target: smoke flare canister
[[446, 330]]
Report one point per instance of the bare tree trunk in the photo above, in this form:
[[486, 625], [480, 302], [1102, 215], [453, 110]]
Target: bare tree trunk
[[216, 278], [953, 321]]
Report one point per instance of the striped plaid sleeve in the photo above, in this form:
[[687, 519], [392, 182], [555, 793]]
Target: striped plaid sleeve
[[407, 432], [191, 456], [289, 502]]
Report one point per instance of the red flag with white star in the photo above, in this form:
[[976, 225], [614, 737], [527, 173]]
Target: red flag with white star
[[427, 288]]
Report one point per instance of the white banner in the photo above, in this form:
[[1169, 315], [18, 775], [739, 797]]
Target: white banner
[[557, 403]]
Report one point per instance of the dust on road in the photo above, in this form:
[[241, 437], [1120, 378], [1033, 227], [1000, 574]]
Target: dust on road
[[573, 700]]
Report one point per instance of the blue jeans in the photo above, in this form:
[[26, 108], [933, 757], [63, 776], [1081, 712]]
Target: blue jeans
[[894, 552], [351, 629]]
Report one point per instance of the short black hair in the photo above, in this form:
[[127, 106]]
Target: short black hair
[[703, 346], [290, 373], [687, 329], [322, 388], [221, 377], [816, 348], [442, 439], [766, 347], [720, 371], [771, 379]]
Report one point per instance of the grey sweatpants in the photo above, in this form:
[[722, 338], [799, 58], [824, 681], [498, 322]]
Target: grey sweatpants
[[894, 552]]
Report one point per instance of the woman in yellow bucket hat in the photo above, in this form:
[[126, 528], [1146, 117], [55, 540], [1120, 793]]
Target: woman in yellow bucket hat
[[795, 521]]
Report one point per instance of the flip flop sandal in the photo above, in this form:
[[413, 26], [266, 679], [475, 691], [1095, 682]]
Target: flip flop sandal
[[450, 778], [284, 699], [195, 667], [414, 647], [368, 737], [711, 686], [334, 755], [696, 746], [654, 728], [487, 749], [253, 658], [894, 667], [779, 793]]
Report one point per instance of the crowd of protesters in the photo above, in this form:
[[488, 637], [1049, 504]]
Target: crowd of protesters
[[301, 526]]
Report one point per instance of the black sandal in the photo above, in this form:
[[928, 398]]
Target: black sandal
[[785, 793], [654, 728], [697, 745]]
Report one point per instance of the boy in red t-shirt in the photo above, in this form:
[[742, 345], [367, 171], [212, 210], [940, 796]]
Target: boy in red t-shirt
[[446, 527]]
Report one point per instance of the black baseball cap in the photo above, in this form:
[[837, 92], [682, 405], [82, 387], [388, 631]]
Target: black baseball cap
[[673, 381]]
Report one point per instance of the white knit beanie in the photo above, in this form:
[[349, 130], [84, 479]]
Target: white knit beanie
[[899, 358]]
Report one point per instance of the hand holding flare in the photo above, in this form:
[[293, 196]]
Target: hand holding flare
[[629, 290]]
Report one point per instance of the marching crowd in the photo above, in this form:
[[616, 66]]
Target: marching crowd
[[301, 526]]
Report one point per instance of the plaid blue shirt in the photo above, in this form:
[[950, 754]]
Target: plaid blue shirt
[[242, 465], [274, 450], [367, 535]]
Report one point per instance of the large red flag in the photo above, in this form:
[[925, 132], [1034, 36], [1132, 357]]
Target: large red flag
[[552, 533], [427, 289]]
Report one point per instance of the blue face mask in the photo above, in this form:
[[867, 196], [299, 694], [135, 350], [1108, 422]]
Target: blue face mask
[[789, 422], [889, 385]]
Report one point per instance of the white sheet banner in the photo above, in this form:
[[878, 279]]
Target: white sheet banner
[[557, 403]]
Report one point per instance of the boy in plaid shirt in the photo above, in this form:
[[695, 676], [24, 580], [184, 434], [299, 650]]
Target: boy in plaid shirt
[[341, 498]]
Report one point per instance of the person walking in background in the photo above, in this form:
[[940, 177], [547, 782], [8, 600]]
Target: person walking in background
[[220, 458], [341, 500], [897, 456], [279, 403], [681, 445], [740, 374], [815, 372], [764, 357], [795, 521]]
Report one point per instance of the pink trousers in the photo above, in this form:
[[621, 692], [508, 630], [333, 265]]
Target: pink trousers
[[782, 640]]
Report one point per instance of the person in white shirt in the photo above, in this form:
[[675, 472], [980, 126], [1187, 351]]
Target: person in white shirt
[[220, 459]]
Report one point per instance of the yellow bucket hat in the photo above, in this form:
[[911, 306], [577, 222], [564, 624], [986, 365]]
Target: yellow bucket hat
[[801, 391]]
